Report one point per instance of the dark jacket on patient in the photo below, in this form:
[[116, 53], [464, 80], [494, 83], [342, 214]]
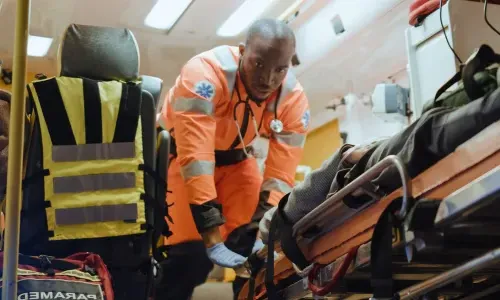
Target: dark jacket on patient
[[437, 133]]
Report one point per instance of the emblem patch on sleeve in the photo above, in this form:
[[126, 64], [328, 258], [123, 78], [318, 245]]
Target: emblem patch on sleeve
[[205, 89], [306, 118]]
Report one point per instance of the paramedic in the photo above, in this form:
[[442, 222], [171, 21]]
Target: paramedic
[[223, 100]]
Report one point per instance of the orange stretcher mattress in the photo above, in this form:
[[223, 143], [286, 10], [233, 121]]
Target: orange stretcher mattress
[[469, 161]]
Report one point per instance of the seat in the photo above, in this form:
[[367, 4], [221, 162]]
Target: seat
[[154, 86], [103, 55]]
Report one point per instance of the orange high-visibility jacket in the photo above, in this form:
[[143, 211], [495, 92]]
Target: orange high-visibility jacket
[[200, 110]]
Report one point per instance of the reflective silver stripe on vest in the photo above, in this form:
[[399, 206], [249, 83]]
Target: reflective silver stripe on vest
[[94, 182], [196, 105], [286, 88], [67, 153], [93, 214], [229, 66], [290, 138], [197, 168], [273, 184]]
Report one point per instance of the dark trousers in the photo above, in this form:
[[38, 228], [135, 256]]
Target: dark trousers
[[187, 266]]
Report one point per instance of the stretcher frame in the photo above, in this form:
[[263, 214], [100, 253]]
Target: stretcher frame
[[473, 163]]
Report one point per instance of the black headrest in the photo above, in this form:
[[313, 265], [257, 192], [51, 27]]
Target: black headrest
[[152, 85], [100, 53]]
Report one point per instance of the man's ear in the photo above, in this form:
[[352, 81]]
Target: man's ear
[[242, 48]]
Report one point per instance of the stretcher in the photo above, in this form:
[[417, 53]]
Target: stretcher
[[442, 242]]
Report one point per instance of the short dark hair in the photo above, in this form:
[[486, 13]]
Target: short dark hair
[[270, 28]]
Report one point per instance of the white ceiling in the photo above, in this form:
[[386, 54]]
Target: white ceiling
[[371, 50]]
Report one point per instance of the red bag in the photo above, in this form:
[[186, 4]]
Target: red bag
[[419, 9], [82, 276]]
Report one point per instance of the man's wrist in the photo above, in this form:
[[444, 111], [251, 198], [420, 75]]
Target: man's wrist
[[211, 237]]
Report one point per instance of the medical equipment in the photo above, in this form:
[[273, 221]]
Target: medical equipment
[[276, 125], [390, 102]]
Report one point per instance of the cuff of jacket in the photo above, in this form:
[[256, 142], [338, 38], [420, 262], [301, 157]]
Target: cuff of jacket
[[207, 215], [261, 209]]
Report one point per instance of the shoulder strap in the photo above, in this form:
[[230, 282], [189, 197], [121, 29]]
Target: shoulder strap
[[456, 78]]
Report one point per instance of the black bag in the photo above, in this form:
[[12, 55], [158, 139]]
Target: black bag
[[475, 79]]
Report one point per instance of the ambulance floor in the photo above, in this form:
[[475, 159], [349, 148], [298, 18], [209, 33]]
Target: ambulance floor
[[213, 291]]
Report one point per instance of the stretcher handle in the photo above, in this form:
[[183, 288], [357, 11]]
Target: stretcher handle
[[324, 209], [336, 276]]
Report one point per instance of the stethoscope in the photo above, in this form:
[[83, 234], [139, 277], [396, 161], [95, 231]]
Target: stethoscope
[[276, 125]]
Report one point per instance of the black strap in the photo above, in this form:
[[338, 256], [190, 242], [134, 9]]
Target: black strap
[[47, 264], [281, 224], [288, 241], [272, 290], [128, 113], [156, 205], [93, 114], [156, 177], [484, 57], [456, 78], [256, 264], [381, 257], [54, 112]]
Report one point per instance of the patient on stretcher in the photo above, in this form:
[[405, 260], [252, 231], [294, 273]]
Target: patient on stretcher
[[437, 133]]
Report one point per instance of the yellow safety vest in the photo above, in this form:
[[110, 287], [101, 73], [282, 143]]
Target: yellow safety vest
[[92, 156]]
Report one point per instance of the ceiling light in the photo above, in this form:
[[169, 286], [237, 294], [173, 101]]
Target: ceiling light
[[38, 45], [243, 16], [166, 13], [292, 9]]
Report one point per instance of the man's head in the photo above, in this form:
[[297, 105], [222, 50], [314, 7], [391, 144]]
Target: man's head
[[266, 57]]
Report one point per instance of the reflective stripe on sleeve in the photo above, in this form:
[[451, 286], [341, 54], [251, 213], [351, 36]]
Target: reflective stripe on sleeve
[[274, 184], [196, 105], [291, 139], [197, 168]]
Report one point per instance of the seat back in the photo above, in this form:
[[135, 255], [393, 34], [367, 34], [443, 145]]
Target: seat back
[[153, 85], [90, 170]]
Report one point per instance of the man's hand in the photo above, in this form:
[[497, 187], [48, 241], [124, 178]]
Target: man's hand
[[220, 255], [265, 223]]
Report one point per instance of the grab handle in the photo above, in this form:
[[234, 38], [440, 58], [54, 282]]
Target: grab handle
[[322, 211]]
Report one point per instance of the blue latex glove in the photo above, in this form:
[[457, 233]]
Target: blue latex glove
[[259, 244], [220, 255]]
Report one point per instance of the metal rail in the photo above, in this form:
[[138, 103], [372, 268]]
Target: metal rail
[[325, 209], [450, 276], [15, 161]]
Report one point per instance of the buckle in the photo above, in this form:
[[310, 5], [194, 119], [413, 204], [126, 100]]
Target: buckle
[[302, 273], [46, 265]]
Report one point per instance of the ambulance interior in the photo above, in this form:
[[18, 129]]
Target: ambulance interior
[[367, 74]]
